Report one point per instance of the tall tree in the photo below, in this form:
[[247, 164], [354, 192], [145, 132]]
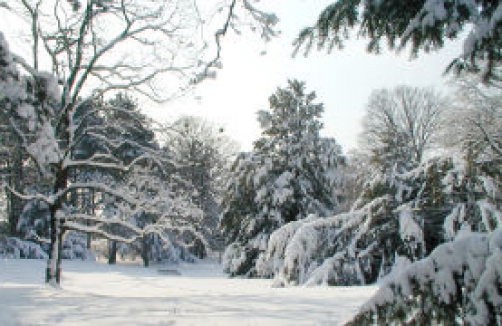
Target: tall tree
[[400, 125], [291, 173], [130, 133], [423, 25], [473, 121], [143, 42], [202, 155]]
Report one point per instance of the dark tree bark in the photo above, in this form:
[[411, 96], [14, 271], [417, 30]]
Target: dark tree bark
[[112, 252], [53, 271], [145, 250]]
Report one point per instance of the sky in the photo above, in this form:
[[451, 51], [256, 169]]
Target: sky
[[253, 69], [343, 80]]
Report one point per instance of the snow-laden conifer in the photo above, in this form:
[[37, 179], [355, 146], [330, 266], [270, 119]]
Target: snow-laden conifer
[[421, 26], [291, 172], [399, 219], [459, 283]]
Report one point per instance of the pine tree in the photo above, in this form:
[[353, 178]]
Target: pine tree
[[459, 283], [423, 25], [399, 219], [290, 174], [129, 137]]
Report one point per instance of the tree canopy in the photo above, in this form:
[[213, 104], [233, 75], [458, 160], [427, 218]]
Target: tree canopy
[[423, 25], [291, 173], [400, 125]]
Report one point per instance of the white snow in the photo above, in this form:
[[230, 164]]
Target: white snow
[[409, 230], [473, 261], [94, 293], [27, 112], [45, 149]]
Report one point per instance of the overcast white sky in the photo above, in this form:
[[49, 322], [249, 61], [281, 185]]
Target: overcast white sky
[[342, 80]]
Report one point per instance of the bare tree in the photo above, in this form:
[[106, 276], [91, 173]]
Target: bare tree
[[401, 124], [474, 120], [90, 48], [203, 156]]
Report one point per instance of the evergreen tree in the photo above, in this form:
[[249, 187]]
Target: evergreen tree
[[423, 25], [398, 219], [128, 138], [290, 174], [458, 284], [16, 171]]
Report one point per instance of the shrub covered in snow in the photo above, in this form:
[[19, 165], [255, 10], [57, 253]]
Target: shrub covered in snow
[[459, 283], [270, 263], [398, 220], [12, 247], [75, 246], [346, 249], [240, 256], [33, 227]]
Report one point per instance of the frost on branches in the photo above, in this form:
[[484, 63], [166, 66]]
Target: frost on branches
[[459, 283], [28, 104], [202, 155], [399, 219], [291, 173], [153, 48], [96, 153]]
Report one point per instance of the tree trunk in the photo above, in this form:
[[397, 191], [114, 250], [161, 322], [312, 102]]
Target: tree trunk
[[112, 252], [61, 232], [92, 212], [145, 250], [89, 241], [53, 271]]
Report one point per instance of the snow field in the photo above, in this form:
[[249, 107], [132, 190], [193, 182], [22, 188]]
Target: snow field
[[93, 293]]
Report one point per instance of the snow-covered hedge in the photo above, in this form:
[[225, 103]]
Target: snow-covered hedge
[[11, 247], [74, 247], [240, 258], [459, 283]]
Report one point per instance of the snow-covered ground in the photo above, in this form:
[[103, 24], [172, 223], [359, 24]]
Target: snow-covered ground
[[94, 293]]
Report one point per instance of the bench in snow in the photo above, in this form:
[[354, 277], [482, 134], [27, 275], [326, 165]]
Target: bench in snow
[[168, 271]]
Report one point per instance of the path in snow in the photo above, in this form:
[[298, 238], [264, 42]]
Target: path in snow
[[97, 294]]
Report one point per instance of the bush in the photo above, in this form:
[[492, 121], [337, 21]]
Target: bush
[[459, 283], [12, 247]]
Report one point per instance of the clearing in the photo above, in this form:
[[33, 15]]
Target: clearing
[[94, 293]]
